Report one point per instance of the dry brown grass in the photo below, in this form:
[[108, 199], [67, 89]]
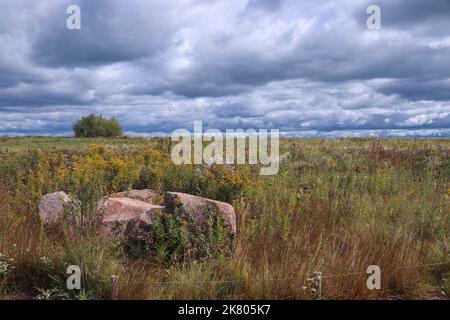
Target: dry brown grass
[[337, 206]]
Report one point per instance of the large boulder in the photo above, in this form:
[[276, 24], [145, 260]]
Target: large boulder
[[127, 217], [132, 214], [201, 211], [146, 195], [52, 207]]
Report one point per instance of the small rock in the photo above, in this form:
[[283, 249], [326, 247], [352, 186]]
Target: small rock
[[52, 206]]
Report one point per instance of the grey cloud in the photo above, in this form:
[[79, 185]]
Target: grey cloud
[[412, 89], [309, 66], [111, 31], [411, 13], [269, 5]]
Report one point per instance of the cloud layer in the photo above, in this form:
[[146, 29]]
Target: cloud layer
[[305, 67]]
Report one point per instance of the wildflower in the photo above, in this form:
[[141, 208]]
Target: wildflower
[[313, 283], [285, 158], [45, 260], [6, 265], [51, 294]]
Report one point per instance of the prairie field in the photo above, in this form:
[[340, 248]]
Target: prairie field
[[336, 206]]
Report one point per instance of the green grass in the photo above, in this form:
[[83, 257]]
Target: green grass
[[336, 206], [48, 143]]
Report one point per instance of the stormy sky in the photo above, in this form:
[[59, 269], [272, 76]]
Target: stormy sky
[[305, 67]]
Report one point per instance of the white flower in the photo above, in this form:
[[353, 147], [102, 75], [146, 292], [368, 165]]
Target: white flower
[[6, 265], [46, 260]]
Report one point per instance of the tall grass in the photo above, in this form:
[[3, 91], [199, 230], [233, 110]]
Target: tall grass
[[336, 206]]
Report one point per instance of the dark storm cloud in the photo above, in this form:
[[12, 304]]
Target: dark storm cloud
[[414, 13], [270, 5], [435, 90], [112, 31], [299, 66]]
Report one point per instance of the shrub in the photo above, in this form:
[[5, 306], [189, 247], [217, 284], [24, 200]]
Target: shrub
[[178, 239], [97, 126]]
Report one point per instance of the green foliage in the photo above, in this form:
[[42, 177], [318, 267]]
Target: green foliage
[[336, 206], [97, 126], [218, 182], [179, 240]]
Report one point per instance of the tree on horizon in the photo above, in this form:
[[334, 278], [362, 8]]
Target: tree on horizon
[[97, 126]]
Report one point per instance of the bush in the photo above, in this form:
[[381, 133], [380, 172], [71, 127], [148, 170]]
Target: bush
[[97, 126]]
